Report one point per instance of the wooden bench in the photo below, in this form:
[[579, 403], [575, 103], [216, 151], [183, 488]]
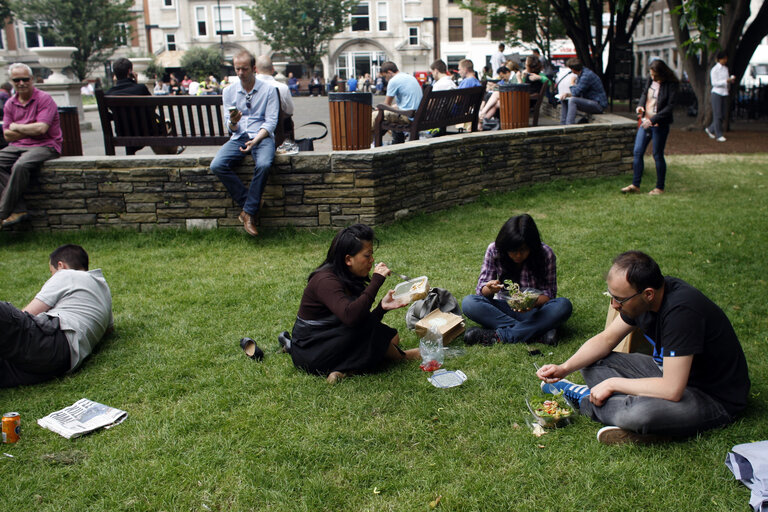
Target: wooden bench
[[438, 109], [135, 121], [304, 87]]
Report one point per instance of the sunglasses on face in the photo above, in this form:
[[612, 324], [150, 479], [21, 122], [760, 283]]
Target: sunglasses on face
[[22, 79]]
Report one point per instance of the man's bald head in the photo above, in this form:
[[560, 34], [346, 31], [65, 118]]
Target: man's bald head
[[264, 65]]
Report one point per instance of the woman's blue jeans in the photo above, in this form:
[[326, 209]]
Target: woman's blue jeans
[[514, 327], [659, 136]]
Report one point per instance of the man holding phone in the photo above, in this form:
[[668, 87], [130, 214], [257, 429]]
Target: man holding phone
[[251, 112]]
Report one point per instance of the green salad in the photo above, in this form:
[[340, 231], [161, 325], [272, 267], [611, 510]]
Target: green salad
[[554, 408], [520, 300]]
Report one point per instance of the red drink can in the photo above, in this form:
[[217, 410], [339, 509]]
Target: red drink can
[[11, 427]]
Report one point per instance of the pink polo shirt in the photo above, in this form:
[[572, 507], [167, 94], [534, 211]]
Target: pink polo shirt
[[39, 109]]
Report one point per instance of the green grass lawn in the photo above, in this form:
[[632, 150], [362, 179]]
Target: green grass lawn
[[209, 429]]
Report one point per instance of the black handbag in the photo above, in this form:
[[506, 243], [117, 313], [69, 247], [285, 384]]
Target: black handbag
[[307, 143]]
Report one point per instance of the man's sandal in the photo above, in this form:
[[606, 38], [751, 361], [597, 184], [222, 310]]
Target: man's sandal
[[656, 192]]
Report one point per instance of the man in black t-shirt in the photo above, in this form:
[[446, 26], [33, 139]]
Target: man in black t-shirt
[[696, 378], [126, 85]]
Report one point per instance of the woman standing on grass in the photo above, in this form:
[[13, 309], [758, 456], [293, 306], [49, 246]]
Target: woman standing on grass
[[655, 113], [335, 331], [517, 255]]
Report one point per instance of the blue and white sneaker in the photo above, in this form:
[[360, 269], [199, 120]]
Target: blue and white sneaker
[[571, 391]]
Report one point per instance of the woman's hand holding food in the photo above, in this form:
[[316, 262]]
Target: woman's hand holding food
[[388, 303], [492, 288], [382, 269]]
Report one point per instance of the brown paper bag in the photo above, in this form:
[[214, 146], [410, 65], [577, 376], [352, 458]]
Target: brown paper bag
[[449, 325]]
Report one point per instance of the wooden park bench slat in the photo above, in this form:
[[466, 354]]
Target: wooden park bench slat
[[438, 109]]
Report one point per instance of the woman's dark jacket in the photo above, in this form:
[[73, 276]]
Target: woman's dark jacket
[[665, 103]]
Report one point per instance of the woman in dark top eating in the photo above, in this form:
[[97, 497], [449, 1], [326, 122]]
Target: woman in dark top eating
[[336, 331]]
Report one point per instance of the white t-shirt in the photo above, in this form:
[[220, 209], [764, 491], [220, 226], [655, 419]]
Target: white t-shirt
[[82, 302], [446, 83], [286, 100], [497, 60], [718, 76]]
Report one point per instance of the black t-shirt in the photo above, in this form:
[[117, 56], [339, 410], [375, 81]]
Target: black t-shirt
[[688, 323], [127, 87]]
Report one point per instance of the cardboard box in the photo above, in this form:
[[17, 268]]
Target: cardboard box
[[449, 325]]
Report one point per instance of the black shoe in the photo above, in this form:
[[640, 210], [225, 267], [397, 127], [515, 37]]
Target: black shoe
[[284, 338], [251, 349], [548, 338], [476, 335]]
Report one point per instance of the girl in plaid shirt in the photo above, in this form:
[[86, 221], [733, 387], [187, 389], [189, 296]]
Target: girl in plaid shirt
[[517, 255]]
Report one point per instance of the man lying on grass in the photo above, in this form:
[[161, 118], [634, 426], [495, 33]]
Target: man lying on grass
[[696, 379], [60, 327]]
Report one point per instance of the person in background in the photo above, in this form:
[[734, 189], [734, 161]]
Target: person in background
[[185, 82], [720, 80], [517, 255], [293, 84], [532, 72], [32, 129], [367, 82], [586, 93], [352, 84], [6, 91], [404, 91], [442, 81], [315, 85], [175, 87], [194, 88], [336, 332], [696, 379], [467, 73], [490, 104], [161, 88], [266, 72], [497, 60], [60, 327], [655, 109], [125, 85]]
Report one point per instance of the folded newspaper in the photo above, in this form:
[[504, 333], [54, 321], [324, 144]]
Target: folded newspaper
[[82, 417]]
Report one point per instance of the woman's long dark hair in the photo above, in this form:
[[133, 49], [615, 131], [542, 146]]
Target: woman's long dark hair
[[663, 71], [348, 241], [515, 233]]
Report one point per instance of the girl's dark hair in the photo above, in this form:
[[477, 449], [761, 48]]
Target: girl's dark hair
[[663, 71], [515, 233], [348, 241]]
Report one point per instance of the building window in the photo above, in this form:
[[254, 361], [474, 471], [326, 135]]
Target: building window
[[34, 39], [124, 32], [167, 3], [246, 24], [360, 19], [2, 39], [170, 42], [341, 66], [382, 14], [649, 21], [413, 36], [661, 23], [479, 28], [224, 19], [452, 61], [201, 21], [455, 29]]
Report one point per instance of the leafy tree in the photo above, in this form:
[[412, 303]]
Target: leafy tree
[[583, 24], [94, 27], [300, 28], [534, 22], [5, 10], [702, 28], [199, 62]]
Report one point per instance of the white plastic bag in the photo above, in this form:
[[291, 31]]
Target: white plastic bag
[[431, 348]]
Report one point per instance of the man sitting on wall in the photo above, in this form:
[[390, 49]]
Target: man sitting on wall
[[60, 327], [586, 93], [31, 127]]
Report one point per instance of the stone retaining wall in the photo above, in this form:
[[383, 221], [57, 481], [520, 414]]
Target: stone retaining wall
[[325, 189]]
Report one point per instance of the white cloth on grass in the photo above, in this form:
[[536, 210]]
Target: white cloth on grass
[[749, 464]]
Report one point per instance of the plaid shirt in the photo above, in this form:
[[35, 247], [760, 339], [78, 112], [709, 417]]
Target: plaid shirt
[[492, 270]]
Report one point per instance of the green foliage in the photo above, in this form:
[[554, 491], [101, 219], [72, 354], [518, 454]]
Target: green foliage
[[5, 9], [300, 28], [209, 429], [94, 27], [199, 62], [705, 17], [531, 23], [155, 68]]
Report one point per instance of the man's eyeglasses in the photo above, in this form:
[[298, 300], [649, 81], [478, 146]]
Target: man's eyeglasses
[[21, 79], [622, 301]]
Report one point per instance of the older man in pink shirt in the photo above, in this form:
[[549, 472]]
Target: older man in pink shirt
[[31, 127]]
